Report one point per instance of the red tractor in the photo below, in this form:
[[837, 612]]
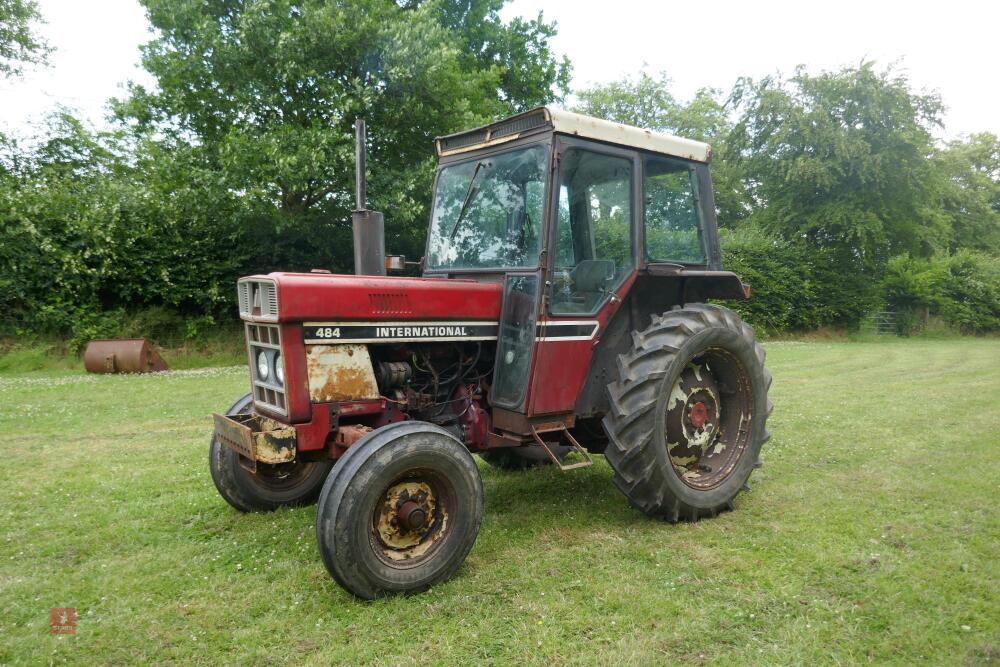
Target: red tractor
[[562, 311]]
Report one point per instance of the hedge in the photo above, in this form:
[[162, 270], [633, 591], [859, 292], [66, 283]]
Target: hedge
[[795, 286]]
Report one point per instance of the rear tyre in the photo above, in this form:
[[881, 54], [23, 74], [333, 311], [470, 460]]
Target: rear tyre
[[522, 458], [688, 413], [400, 511], [272, 486]]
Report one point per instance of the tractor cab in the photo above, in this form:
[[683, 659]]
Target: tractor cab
[[596, 199], [568, 212]]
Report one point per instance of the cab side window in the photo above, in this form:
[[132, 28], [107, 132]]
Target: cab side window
[[593, 240], [671, 213]]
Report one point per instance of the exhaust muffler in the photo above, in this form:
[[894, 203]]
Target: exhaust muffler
[[368, 226]]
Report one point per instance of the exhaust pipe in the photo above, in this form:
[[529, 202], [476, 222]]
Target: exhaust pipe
[[368, 226]]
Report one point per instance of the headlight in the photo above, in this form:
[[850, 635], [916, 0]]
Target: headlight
[[263, 370], [279, 370]]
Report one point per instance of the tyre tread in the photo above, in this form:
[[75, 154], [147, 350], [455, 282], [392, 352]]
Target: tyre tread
[[630, 420]]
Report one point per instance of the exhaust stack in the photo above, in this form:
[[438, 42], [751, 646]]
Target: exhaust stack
[[369, 227]]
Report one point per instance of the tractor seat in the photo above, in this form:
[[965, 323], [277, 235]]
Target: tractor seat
[[591, 279], [592, 275]]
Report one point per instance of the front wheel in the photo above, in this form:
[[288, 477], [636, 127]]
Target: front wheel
[[272, 486], [688, 413], [400, 511]]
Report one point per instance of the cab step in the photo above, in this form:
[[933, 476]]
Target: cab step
[[562, 431]]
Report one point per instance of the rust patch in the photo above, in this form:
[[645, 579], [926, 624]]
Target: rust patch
[[275, 446], [256, 438], [340, 373], [348, 434]]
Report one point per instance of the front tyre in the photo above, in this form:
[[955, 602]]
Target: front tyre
[[272, 486], [400, 511], [688, 413]]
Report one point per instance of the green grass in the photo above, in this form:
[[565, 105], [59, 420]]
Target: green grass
[[872, 534]]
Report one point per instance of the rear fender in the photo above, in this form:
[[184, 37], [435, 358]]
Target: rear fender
[[657, 289], [697, 285]]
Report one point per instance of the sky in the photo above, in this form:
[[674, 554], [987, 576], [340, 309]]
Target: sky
[[950, 47], [97, 51]]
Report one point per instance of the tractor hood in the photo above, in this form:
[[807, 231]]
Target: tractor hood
[[302, 297]]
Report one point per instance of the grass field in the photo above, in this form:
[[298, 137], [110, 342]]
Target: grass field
[[871, 534]]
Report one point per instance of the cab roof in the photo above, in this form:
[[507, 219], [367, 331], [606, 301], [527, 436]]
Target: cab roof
[[567, 122]]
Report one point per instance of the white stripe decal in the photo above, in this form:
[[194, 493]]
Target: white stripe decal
[[397, 332], [575, 330], [552, 331]]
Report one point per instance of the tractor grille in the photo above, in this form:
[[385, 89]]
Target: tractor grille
[[503, 131], [463, 140], [269, 392], [517, 125], [258, 299], [389, 303]]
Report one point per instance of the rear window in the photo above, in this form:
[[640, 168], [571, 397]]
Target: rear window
[[671, 212]]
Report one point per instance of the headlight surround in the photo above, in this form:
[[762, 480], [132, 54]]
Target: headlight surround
[[263, 368], [279, 370]]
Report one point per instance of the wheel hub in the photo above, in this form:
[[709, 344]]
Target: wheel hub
[[698, 414], [707, 421], [692, 420], [408, 520], [411, 516]]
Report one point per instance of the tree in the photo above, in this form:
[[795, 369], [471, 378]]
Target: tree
[[19, 43], [971, 197], [101, 222], [269, 90], [842, 159], [519, 52], [646, 101]]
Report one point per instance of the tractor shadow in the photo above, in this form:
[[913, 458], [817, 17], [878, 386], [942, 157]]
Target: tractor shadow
[[544, 499]]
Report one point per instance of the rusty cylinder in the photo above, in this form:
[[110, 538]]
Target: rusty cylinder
[[122, 355]]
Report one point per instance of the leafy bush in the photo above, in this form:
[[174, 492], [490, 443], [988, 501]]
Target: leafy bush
[[94, 244], [795, 286], [963, 289]]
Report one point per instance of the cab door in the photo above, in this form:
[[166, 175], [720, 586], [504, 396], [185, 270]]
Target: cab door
[[591, 263], [516, 340]]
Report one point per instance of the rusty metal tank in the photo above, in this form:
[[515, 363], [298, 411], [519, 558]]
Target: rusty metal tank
[[122, 355]]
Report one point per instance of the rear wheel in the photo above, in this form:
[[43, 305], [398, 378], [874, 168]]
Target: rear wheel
[[272, 486], [688, 413], [400, 511]]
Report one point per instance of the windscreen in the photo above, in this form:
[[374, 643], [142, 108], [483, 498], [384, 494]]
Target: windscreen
[[488, 211]]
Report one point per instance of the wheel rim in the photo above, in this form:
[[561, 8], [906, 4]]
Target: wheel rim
[[412, 518], [708, 417]]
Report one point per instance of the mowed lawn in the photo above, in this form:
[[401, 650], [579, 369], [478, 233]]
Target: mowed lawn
[[871, 534]]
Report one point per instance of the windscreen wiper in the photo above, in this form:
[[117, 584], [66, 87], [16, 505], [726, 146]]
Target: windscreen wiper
[[465, 202]]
